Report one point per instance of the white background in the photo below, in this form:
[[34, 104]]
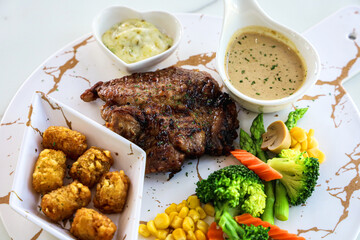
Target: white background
[[30, 31]]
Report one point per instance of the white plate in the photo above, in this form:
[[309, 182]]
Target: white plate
[[333, 210], [127, 156]]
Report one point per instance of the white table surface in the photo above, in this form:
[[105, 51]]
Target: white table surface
[[30, 31]]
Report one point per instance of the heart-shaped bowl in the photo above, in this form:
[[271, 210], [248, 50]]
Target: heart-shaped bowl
[[165, 22]]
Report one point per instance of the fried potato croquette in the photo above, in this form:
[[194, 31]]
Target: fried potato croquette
[[72, 143], [91, 225], [63, 202], [90, 166], [49, 171], [111, 192]]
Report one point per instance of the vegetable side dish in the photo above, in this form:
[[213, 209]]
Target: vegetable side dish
[[135, 39], [261, 186], [185, 220], [92, 167]]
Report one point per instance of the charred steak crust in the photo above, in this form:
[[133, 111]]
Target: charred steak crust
[[173, 113]]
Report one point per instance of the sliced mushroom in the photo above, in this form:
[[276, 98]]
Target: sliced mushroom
[[276, 138]]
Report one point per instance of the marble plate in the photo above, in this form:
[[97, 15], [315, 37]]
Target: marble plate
[[332, 212]]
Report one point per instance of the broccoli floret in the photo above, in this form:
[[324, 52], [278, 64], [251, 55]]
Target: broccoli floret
[[233, 190], [300, 174], [234, 186], [233, 229]]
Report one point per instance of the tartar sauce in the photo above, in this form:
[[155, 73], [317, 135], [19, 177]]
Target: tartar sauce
[[135, 39]]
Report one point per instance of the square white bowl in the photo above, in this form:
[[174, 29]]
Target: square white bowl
[[127, 156], [166, 22]]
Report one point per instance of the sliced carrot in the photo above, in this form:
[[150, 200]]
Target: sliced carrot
[[264, 171], [275, 232], [215, 233]]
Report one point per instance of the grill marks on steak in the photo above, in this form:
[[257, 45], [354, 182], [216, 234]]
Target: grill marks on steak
[[172, 114]]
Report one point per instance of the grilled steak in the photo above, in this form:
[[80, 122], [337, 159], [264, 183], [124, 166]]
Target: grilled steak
[[172, 114]]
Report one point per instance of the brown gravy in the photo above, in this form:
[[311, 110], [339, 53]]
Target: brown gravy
[[264, 67]]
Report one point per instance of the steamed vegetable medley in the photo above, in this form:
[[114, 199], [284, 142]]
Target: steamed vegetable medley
[[260, 187]]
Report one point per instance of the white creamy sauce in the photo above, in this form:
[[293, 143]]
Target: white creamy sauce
[[135, 39]]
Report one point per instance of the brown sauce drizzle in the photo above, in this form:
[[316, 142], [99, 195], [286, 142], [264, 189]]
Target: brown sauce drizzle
[[311, 98], [344, 194], [17, 195], [69, 64], [36, 236], [43, 96], [339, 90], [28, 123], [197, 170], [5, 199], [82, 78], [196, 60], [131, 150], [11, 123]]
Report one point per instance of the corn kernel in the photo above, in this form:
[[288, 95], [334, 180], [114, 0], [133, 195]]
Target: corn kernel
[[316, 153], [171, 208], [151, 227], [201, 211], [193, 202], [195, 215], [172, 215], [304, 146], [190, 235], [176, 222], [297, 147], [179, 234], [180, 206], [311, 133], [312, 143], [162, 233], [293, 142], [162, 221], [200, 235], [143, 230], [202, 226], [183, 212], [188, 224], [209, 209], [298, 133], [170, 237]]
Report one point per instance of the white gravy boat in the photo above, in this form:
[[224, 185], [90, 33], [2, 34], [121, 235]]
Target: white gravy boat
[[242, 13]]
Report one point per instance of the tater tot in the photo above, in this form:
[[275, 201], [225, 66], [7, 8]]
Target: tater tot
[[63, 202], [91, 225], [111, 192], [90, 166], [49, 171], [72, 143]]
